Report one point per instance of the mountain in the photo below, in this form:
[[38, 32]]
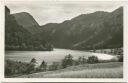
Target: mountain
[[96, 30], [25, 20], [87, 31], [17, 37]]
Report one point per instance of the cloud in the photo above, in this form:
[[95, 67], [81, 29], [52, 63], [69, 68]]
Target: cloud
[[58, 11]]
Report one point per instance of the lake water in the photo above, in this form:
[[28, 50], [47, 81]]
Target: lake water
[[51, 56]]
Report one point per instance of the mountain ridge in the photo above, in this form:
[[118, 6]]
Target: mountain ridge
[[29, 23], [97, 30], [19, 37], [86, 31]]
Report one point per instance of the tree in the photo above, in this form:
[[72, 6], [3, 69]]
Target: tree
[[64, 64], [84, 60], [92, 59], [67, 61], [31, 66], [54, 66], [81, 60], [43, 66], [33, 61]]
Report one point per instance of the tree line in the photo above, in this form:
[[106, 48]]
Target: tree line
[[13, 68]]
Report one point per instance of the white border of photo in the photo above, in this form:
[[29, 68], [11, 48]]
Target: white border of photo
[[125, 65]]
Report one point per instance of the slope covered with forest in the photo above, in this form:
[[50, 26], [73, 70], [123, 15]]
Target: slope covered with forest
[[88, 31], [17, 37], [96, 30], [27, 21]]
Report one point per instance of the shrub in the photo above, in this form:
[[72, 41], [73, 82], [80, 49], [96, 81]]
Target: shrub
[[92, 59], [67, 61], [33, 61], [54, 66], [82, 60], [76, 62], [31, 66], [43, 66], [15, 67]]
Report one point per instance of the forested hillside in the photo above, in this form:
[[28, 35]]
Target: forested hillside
[[27, 21], [19, 38], [96, 30]]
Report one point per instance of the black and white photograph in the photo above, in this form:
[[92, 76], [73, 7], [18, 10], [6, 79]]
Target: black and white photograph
[[63, 39], [64, 82]]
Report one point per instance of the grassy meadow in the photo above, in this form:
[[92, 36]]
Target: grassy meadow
[[99, 70]]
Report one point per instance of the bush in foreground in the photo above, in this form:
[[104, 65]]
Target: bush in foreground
[[92, 59], [54, 66], [67, 61], [15, 67], [43, 66], [18, 68]]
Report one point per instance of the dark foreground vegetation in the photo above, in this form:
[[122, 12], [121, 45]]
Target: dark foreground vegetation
[[17, 68], [99, 70]]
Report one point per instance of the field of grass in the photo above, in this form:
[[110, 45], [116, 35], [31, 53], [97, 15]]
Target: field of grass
[[99, 70]]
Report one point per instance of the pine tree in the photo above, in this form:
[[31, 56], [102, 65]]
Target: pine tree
[[43, 66]]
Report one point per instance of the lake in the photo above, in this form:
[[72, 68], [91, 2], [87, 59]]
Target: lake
[[51, 56]]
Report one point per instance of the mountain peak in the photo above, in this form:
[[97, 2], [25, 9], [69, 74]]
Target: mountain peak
[[27, 21], [118, 10], [7, 10]]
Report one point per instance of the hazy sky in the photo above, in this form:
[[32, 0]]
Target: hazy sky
[[58, 11]]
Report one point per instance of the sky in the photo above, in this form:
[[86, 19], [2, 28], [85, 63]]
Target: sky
[[58, 11]]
